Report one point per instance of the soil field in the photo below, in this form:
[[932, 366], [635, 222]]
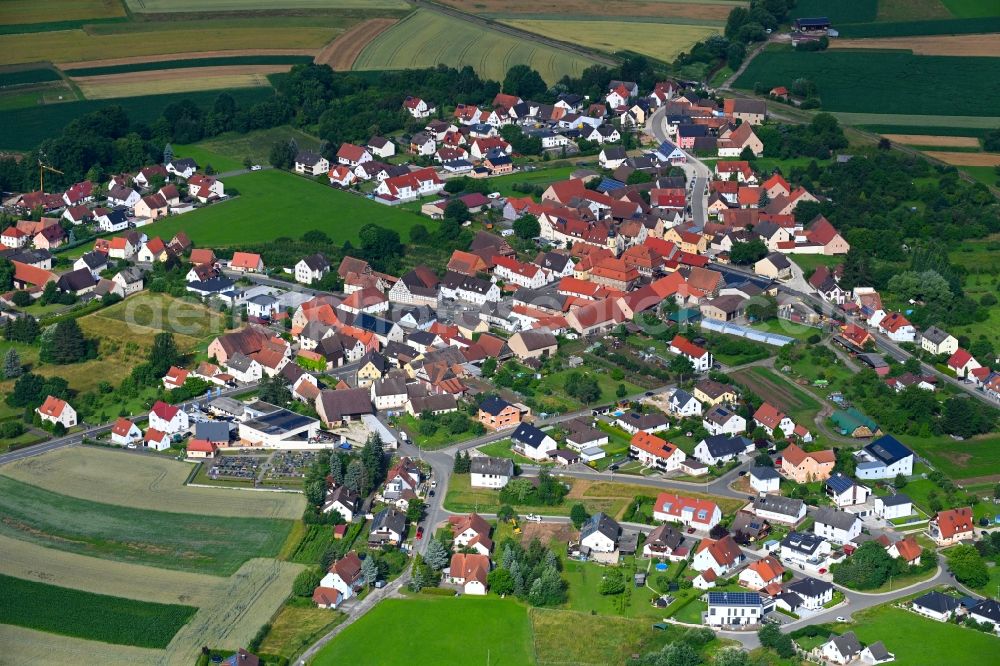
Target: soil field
[[68, 67], [658, 40], [341, 53], [931, 140], [783, 395], [166, 81], [157, 6], [27, 647], [427, 38], [17, 12], [144, 482], [965, 159], [710, 11], [942, 45]]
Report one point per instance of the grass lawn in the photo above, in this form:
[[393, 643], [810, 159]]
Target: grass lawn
[[584, 580], [808, 262], [276, 204], [207, 544], [296, 626], [979, 456], [440, 439], [787, 328], [501, 449], [62, 610], [542, 177], [553, 384], [435, 631], [597, 639], [227, 151]]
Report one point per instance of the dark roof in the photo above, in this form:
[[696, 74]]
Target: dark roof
[[76, 280], [213, 431], [764, 473], [488, 465], [879, 651], [279, 422], [840, 520], [809, 587], [724, 445], [734, 599], [896, 500], [95, 259], [216, 285], [346, 402], [802, 542], [600, 522], [390, 519], [316, 262], [848, 644], [493, 405], [786, 506], [937, 602], [665, 535], [839, 483], [989, 609], [528, 434], [888, 449]]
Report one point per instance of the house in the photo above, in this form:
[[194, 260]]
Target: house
[[310, 164], [719, 449], [845, 492], [388, 528], [390, 391], [876, 653], [600, 533], [700, 358], [885, 458], [841, 649], [729, 609], [246, 262], [952, 526], [125, 433], [184, 168], [721, 556], [123, 196], [168, 418], [342, 406], [654, 452], [410, 186], [762, 573], [497, 414], [906, 549], [805, 549], [94, 261], [379, 146], [633, 422], [684, 404], [244, 369], [897, 327], [57, 411], [471, 532], [129, 280], [417, 287], [487, 472], [962, 363], [262, 306], [720, 420], [418, 108], [936, 605], [195, 448], [770, 419], [612, 157], [821, 233], [836, 526], [937, 342], [814, 593], [986, 612], [750, 111], [893, 506], [174, 378], [538, 343], [690, 512], [49, 238], [533, 442], [352, 155], [764, 479], [775, 266], [422, 144], [776, 508], [151, 207], [344, 575], [715, 393], [804, 467], [470, 570], [855, 424]]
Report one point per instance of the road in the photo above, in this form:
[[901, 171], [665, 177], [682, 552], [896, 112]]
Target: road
[[695, 169]]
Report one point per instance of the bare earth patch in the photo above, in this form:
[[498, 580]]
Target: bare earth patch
[[945, 45], [194, 55], [341, 53], [931, 140], [965, 159], [547, 532]]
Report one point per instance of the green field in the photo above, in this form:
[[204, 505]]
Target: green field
[[27, 76], [17, 12], [967, 459], [956, 26], [972, 8], [205, 544], [275, 204], [908, 123], [426, 39], [842, 11], [96, 617], [185, 64], [155, 6], [433, 630], [25, 128], [898, 80], [230, 148]]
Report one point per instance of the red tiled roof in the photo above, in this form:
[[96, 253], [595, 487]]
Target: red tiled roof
[[653, 445], [687, 347], [52, 406], [955, 521], [245, 260]]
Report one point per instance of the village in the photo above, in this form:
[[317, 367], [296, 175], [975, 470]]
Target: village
[[641, 321]]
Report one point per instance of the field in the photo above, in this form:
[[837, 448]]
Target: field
[[410, 631], [425, 39], [154, 6], [61, 610], [943, 45], [933, 140], [658, 40], [597, 639], [185, 542], [24, 77], [932, 124], [659, 10], [792, 400], [189, 63], [901, 77], [341, 53], [297, 626], [965, 159], [31, 11], [846, 11], [911, 10], [176, 81], [227, 151], [27, 646], [968, 459], [146, 482], [275, 204]]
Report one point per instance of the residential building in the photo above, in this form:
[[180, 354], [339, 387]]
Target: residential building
[[57, 411], [633, 422], [936, 341], [664, 543], [719, 449], [720, 420], [471, 532], [654, 452], [805, 549], [845, 492], [698, 513], [986, 612], [337, 408], [388, 528], [841, 649], [600, 533], [311, 269], [836, 526], [470, 570], [537, 343], [344, 501], [952, 526], [721, 556], [125, 433], [803, 467], [778, 509], [684, 404], [890, 507], [729, 609], [533, 442], [344, 575], [761, 573], [168, 419], [764, 479], [487, 472], [936, 605], [700, 358], [498, 414], [813, 592], [885, 458]]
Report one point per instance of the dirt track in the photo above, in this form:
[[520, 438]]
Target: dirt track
[[341, 53], [69, 66], [931, 140], [946, 45], [965, 159]]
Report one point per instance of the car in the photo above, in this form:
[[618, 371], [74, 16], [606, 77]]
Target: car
[[431, 493], [533, 518], [751, 497], [613, 468], [434, 484], [256, 167], [649, 394], [841, 618], [690, 530], [420, 532], [822, 571], [743, 472]]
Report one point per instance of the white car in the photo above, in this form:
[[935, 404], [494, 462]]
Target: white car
[[256, 167], [533, 518]]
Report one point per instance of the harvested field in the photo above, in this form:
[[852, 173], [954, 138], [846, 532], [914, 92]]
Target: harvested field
[[941, 45], [16, 12], [931, 140], [708, 11], [970, 122], [911, 10], [157, 6], [144, 482], [341, 53], [166, 81], [296, 626], [548, 532], [27, 647], [90, 574], [965, 159], [68, 67]]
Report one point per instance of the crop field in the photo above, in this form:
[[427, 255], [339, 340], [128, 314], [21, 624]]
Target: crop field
[[173, 81], [663, 10], [27, 646], [150, 482], [946, 26], [62, 610], [501, 628], [899, 77], [147, 66], [425, 39], [9, 78], [911, 10], [942, 45], [186, 542], [925, 124], [932, 140], [965, 159], [784, 395], [658, 40], [844, 11], [16, 12], [341, 53], [274, 204], [298, 625], [155, 6], [972, 8]]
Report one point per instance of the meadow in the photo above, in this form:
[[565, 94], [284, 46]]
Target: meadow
[[664, 11], [274, 204], [598, 640], [658, 40], [947, 26], [297, 625], [426, 39], [17, 12], [846, 11], [900, 79], [185, 542], [409, 631], [227, 151], [62, 610]]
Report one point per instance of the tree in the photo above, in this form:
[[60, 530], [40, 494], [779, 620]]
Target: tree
[[163, 353], [583, 387], [732, 657], [680, 365], [500, 581], [621, 391], [65, 344], [369, 570], [22, 329], [613, 582], [762, 308], [315, 492], [463, 463], [763, 459], [373, 457], [456, 211], [968, 566], [437, 555], [12, 364], [578, 514], [6, 274], [419, 234], [900, 481], [524, 82], [751, 252], [506, 512], [274, 390], [282, 155], [415, 510], [307, 581], [356, 477], [527, 227], [21, 299], [489, 367], [770, 636]]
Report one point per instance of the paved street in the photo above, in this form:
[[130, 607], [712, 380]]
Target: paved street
[[694, 169]]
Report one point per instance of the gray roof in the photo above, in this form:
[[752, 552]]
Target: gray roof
[[434, 402], [786, 506], [529, 434], [665, 535], [840, 520], [346, 402], [847, 644], [392, 384], [778, 260], [879, 651], [809, 587], [764, 473], [682, 397], [131, 275], [724, 445], [989, 609], [896, 500], [391, 519], [537, 339], [316, 262], [264, 300], [213, 431], [600, 522], [95, 259], [239, 362], [228, 405], [802, 542], [488, 465], [935, 335]]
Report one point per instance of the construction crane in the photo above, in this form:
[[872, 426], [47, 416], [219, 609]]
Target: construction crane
[[42, 168]]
